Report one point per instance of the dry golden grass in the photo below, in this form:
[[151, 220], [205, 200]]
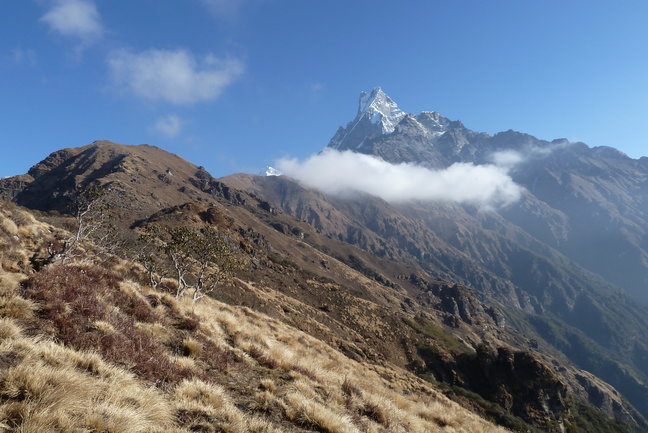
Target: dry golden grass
[[46, 387], [14, 306], [330, 392], [211, 403], [8, 226], [313, 414], [146, 362]]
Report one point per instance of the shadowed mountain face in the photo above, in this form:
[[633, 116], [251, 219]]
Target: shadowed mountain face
[[455, 295]]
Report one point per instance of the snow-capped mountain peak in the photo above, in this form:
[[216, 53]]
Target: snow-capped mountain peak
[[377, 115], [380, 110]]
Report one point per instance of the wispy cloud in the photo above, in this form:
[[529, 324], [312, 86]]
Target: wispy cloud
[[508, 158], [343, 173], [77, 18], [511, 158], [24, 57], [174, 76], [168, 126]]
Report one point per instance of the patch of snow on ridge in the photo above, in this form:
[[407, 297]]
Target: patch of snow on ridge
[[271, 171], [433, 121]]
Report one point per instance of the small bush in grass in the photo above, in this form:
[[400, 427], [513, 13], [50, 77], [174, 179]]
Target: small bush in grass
[[215, 357], [376, 412], [138, 308], [264, 401], [191, 347], [268, 384]]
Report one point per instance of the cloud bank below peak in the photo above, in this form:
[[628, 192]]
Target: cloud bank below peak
[[346, 172]]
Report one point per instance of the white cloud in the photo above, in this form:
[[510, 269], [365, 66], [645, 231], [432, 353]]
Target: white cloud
[[174, 76], [78, 18], [169, 126], [507, 158], [342, 173]]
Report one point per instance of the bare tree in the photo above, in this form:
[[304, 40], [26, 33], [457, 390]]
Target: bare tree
[[199, 260], [148, 252], [91, 221], [216, 262], [180, 250]]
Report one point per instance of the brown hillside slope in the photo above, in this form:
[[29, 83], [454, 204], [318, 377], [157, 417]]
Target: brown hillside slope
[[85, 348], [424, 325]]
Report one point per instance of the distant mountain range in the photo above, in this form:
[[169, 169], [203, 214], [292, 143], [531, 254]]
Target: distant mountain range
[[532, 315]]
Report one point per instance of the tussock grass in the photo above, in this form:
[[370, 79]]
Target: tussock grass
[[15, 307], [8, 226], [46, 387], [210, 404], [314, 415]]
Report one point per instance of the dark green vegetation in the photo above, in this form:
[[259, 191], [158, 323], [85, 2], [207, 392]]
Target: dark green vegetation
[[587, 419], [593, 357], [441, 336], [491, 410]]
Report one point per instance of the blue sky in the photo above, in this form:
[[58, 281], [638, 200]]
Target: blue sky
[[235, 84]]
